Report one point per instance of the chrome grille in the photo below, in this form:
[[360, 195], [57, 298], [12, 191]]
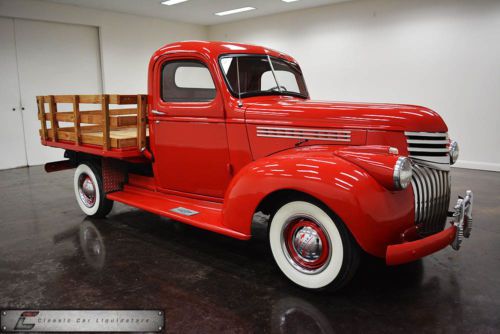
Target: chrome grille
[[431, 188], [431, 147], [429, 152]]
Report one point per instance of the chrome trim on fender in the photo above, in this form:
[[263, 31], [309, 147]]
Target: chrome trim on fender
[[304, 133]]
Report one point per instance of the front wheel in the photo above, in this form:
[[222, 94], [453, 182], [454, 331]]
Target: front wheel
[[312, 248], [89, 191]]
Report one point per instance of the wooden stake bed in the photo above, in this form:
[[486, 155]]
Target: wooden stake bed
[[105, 131]]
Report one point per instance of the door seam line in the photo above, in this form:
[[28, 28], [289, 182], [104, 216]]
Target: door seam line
[[20, 102]]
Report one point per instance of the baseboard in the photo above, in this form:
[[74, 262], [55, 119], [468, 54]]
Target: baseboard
[[477, 165], [15, 167]]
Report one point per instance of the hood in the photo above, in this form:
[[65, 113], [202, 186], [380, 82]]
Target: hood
[[377, 116]]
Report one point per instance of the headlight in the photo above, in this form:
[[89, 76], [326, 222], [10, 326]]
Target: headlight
[[402, 173], [454, 152]]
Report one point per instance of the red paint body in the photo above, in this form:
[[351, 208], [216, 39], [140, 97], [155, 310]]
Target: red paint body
[[208, 156]]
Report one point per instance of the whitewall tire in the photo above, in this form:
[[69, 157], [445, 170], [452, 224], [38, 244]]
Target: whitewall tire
[[312, 248], [89, 193]]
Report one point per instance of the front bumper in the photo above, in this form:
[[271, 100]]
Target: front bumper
[[461, 225]]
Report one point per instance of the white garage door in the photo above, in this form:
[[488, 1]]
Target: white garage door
[[52, 59], [12, 148], [55, 59]]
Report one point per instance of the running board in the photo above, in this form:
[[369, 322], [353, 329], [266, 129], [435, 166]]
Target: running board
[[199, 213]]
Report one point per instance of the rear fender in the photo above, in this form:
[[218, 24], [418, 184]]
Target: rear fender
[[374, 215]]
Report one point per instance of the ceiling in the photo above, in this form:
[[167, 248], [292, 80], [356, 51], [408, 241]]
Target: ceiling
[[197, 11]]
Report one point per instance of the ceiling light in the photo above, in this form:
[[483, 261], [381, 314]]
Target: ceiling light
[[289, 0], [172, 2], [234, 11]]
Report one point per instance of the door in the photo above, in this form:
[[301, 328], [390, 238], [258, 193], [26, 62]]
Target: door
[[53, 59], [190, 140], [12, 146]]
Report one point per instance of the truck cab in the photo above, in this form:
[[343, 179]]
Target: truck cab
[[228, 133]]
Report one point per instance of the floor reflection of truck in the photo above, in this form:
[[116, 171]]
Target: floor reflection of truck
[[228, 131]]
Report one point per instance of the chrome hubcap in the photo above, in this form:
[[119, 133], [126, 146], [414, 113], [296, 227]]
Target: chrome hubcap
[[87, 190], [305, 244]]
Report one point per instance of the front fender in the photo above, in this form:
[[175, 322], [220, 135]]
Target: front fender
[[375, 215]]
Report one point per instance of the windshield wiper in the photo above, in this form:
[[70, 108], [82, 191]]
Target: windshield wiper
[[274, 74]]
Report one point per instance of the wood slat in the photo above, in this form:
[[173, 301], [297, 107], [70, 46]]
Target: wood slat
[[105, 124], [112, 112], [92, 118], [54, 124], [83, 129], [123, 99], [76, 119], [62, 135], [122, 121], [64, 116], [43, 119], [127, 111], [118, 139], [141, 122], [94, 99], [90, 128]]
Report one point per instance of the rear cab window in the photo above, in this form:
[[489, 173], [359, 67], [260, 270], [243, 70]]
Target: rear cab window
[[186, 81]]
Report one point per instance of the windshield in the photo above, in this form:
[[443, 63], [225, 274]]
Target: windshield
[[252, 75]]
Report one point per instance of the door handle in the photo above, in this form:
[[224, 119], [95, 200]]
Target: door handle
[[155, 112]]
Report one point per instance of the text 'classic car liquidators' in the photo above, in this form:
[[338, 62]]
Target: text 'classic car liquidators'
[[228, 131]]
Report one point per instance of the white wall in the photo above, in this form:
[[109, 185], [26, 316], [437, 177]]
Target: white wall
[[441, 54], [127, 41]]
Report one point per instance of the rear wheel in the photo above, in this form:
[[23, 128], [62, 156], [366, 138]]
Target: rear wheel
[[312, 247], [89, 191]]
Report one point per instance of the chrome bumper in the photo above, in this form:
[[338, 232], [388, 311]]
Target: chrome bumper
[[461, 225], [462, 218]]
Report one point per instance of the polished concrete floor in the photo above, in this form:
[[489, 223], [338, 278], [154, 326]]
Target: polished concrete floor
[[51, 256]]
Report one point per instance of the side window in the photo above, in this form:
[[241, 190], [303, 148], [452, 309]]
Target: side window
[[186, 81]]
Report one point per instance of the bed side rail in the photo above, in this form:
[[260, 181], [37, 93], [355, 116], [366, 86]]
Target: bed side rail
[[74, 119]]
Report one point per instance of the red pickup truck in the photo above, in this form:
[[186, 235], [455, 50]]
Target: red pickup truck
[[227, 136]]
